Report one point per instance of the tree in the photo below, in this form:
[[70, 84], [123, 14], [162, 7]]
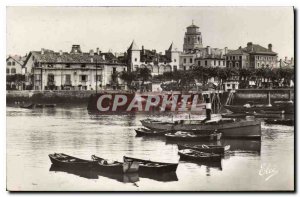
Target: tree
[[128, 77]]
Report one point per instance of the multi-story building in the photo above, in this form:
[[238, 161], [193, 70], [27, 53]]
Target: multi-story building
[[253, 56], [157, 63], [194, 54], [14, 65], [76, 70]]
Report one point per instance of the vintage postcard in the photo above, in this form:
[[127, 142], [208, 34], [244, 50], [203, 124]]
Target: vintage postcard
[[150, 99]]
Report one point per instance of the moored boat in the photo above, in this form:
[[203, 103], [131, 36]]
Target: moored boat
[[129, 166], [206, 148], [190, 136], [148, 132], [288, 122], [63, 160], [28, 106], [230, 128], [147, 166], [190, 154]]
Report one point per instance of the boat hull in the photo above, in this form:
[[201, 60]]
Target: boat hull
[[211, 158], [211, 149], [75, 165], [162, 168], [239, 129]]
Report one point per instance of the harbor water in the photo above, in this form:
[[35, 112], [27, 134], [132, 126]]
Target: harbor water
[[32, 134]]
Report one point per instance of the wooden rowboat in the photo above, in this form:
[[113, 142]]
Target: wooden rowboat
[[190, 154], [189, 136], [147, 166], [104, 165], [63, 160], [148, 132], [206, 148]]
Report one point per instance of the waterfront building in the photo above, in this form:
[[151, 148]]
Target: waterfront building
[[156, 62], [74, 70], [14, 65], [253, 56]]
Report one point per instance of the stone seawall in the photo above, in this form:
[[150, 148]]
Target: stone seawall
[[60, 96], [242, 96]]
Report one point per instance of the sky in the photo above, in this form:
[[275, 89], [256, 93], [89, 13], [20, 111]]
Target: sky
[[114, 28]]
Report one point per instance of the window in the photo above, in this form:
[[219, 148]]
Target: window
[[114, 70], [240, 57], [184, 60], [205, 63], [124, 69], [8, 63], [188, 39], [13, 63], [198, 39], [219, 63], [191, 60], [135, 59], [199, 64], [37, 77], [83, 78], [68, 66], [68, 79], [98, 77], [237, 64], [82, 65], [7, 71], [13, 71], [174, 60], [257, 65], [174, 68], [214, 62], [233, 57], [184, 67], [230, 64]]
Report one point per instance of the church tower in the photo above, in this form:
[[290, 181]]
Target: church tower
[[192, 38]]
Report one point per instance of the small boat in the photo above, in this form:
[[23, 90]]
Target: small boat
[[147, 166], [190, 154], [63, 160], [129, 166], [206, 148], [288, 122], [236, 115], [190, 136], [148, 132], [265, 115], [28, 106]]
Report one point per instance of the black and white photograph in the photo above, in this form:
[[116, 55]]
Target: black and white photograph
[[172, 98]]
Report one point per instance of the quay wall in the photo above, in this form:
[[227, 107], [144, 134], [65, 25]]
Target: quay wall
[[47, 96], [242, 96]]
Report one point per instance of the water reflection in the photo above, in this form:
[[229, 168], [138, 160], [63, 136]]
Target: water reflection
[[88, 174], [162, 177]]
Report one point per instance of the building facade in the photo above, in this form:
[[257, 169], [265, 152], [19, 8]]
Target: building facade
[[253, 56], [156, 62], [14, 65], [76, 70], [192, 38]]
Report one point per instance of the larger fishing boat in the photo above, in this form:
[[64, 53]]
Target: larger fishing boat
[[230, 128]]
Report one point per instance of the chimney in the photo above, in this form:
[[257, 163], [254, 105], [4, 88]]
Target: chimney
[[42, 51], [60, 52], [270, 47], [208, 50], [97, 51], [249, 46], [240, 47], [91, 52]]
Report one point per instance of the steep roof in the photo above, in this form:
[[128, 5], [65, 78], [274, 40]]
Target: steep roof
[[72, 58], [19, 59], [172, 47], [251, 49], [133, 46]]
